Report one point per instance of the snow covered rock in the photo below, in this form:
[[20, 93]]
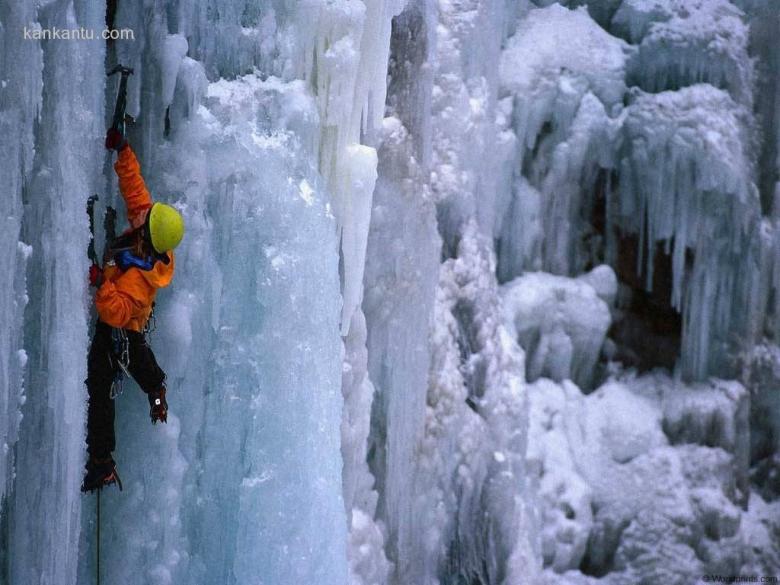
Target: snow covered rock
[[560, 322], [713, 414], [618, 500], [566, 77], [565, 496], [604, 281], [683, 43], [763, 381], [554, 40], [761, 533]]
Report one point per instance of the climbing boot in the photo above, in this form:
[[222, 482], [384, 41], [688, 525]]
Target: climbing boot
[[100, 472], [158, 407]]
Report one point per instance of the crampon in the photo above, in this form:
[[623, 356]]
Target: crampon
[[100, 473]]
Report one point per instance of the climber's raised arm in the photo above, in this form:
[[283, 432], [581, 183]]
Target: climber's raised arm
[[131, 182]]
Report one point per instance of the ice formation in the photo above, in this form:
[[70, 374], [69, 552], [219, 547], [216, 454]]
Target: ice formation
[[687, 42], [473, 452], [561, 322], [414, 229], [636, 462], [563, 99], [685, 182]]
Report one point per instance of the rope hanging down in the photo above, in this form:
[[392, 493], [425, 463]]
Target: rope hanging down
[[97, 564]]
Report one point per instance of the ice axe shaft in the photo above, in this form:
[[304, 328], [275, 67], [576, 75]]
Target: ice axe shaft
[[121, 98], [109, 226], [91, 213]]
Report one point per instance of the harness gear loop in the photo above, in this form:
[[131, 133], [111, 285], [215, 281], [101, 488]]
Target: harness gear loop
[[151, 323]]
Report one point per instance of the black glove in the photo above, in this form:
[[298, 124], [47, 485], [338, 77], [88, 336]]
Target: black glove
[[115, 140], [95, 275], [158, 407]]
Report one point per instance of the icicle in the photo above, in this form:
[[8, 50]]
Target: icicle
[[697, 194]]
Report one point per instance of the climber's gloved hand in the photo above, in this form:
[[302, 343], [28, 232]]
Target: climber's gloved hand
[[158, 406], [115, 140], [95, 275]]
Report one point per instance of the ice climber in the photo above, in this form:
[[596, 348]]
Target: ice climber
[[136, 264]]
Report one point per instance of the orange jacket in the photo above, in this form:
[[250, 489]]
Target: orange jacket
[[125, 298]]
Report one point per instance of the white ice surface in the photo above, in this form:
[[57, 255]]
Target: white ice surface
[[625, 490]]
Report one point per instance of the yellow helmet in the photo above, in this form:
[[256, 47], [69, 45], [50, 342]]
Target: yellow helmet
[[166, 227]]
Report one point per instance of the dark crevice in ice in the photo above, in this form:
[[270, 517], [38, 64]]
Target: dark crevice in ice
[[599, 559], [647, 328], [111, 6], [472, 366]]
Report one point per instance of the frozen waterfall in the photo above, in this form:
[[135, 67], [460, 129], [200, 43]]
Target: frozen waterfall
[[481, 292]]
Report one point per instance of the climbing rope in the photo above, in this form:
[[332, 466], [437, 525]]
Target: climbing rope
[[97, 564]]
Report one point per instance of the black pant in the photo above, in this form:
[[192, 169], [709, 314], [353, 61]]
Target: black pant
[[102, 367]]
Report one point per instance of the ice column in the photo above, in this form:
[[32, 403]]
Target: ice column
[[465, 182], [252, 456], [44, 511], [398, 305], [20, 99], [473, 518], [345, 47], [277, 353]]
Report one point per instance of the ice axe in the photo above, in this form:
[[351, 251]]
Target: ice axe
[[91, 254], [121, 98]]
